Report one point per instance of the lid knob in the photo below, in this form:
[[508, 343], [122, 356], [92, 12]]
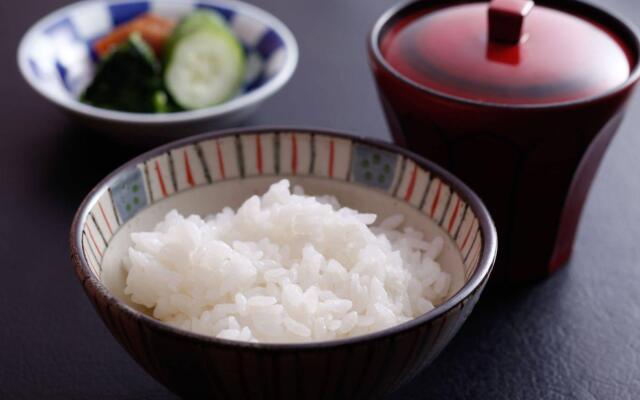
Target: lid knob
[[506, 18]]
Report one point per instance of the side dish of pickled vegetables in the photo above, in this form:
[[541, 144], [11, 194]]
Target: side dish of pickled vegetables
[[154, 65]]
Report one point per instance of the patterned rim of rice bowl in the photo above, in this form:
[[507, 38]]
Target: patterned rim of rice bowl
[[56, 58], [215, 164]]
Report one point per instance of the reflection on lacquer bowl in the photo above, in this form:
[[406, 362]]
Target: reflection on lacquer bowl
[[55, 57], [205, 173]]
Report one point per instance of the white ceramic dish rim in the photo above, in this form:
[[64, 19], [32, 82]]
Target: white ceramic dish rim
[[474, 283], [243, 101]]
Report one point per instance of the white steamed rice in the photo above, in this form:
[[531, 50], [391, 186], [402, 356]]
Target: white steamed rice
[[285, 267]]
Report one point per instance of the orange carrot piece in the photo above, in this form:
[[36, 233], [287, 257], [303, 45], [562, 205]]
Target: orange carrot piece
[[155, 30]]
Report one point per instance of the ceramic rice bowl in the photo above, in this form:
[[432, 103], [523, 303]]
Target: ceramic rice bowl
[[205, 173]]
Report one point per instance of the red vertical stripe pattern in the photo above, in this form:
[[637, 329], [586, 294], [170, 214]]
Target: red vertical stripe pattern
[[454, 215], [294, 154], [258, 154], [332, 151], [106, 220], [466, 237], [163, 188], [93, 240], [434, 205], [187, 168], [412, 183], [220, 160]]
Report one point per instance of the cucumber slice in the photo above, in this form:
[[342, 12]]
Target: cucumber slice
[[205, 62], [195, 21]]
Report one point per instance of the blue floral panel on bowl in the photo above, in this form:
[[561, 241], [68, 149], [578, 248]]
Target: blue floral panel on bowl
[[129, 195], [373, 166]]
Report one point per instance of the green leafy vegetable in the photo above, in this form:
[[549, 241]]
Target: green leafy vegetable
[[128, 79]]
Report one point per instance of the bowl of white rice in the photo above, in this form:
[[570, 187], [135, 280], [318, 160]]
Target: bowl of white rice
[[282, 262]]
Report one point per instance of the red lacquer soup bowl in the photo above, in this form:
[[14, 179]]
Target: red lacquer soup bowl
[[519, 100]]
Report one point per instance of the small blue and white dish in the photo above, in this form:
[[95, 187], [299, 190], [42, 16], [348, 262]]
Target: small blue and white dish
[[56, 59]]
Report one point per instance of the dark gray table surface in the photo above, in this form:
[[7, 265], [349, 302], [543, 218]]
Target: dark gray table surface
[[574, 336]]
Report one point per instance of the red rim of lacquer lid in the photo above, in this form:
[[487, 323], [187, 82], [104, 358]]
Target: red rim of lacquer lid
[[508, 53]]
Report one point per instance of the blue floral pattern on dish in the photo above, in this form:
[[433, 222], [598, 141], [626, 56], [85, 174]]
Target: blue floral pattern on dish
[[73, 70]]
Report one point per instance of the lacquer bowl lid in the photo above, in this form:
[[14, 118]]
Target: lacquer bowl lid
[[509, 51]]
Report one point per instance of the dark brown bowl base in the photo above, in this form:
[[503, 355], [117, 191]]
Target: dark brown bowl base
[[365, 370]]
